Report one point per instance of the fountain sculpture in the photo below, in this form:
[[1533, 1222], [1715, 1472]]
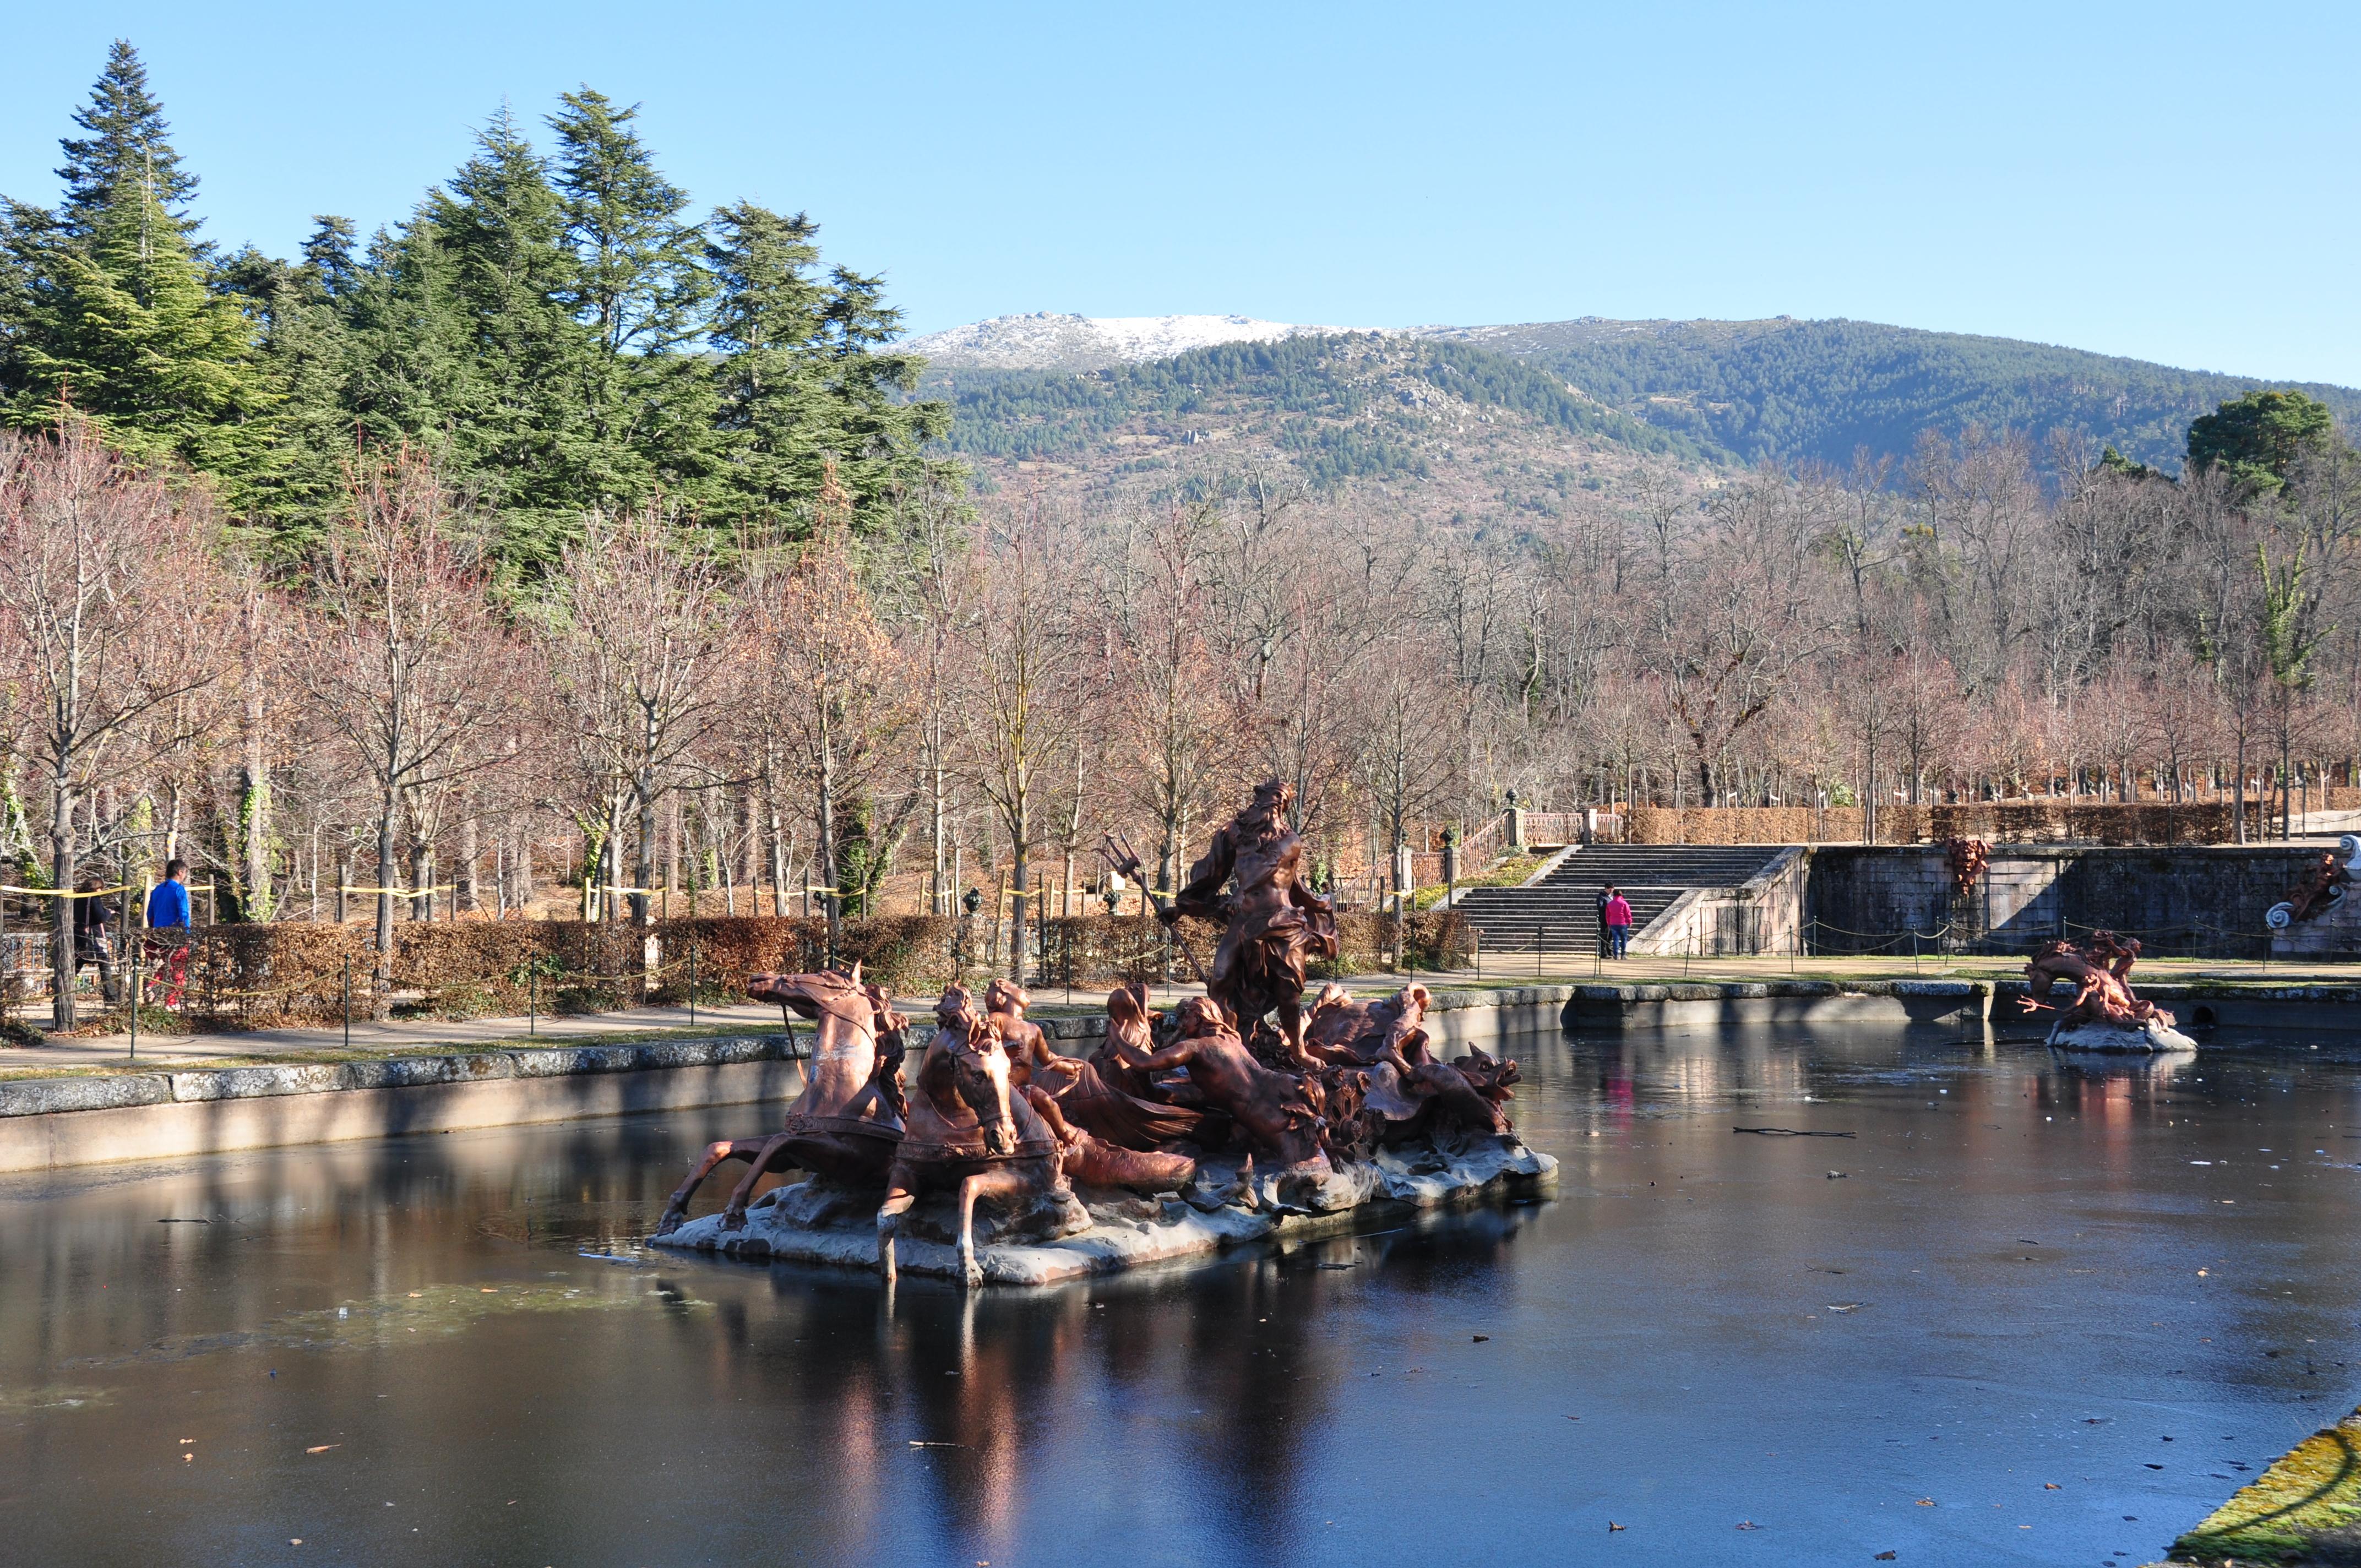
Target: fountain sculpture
[[1226, 1129], [2104, 1015]]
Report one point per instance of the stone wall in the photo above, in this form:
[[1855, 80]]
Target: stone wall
[[2201, 902], [1765, 916]]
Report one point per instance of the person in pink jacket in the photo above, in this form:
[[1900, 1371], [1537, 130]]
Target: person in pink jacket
[[1618, 923]]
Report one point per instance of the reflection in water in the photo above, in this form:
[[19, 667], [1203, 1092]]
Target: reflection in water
[[400, 1352]]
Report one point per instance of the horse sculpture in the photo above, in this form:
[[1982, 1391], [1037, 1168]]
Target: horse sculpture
[[970, 1128], [1109, 1138], [1280, 1120], [2103, 1014], [848, 1119]]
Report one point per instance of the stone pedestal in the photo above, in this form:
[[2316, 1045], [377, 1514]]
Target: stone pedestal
[[809, 1222]]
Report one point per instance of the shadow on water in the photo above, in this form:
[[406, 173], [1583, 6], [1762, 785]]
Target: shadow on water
[[2124, 1279]]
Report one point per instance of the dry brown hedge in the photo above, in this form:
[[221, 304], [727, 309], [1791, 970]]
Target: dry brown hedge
[[2001, 822], [252, 977]]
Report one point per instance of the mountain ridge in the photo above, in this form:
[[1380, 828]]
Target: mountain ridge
[[1777, 388]]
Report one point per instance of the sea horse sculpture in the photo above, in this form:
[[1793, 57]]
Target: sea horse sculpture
[[848, 1119], [2103, 1015]]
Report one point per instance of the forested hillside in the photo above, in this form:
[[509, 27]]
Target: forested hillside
[[1706, 391], [1795, 390], [1354, 406]]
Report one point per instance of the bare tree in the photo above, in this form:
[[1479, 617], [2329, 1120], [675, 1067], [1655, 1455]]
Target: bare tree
[[1020, 646], [406, 668], [106, 589], [638, 629]]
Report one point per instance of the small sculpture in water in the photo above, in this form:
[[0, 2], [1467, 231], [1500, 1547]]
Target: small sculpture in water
[[2104, 1015], [849, 1118]]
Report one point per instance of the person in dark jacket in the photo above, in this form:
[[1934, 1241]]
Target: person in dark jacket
[[94, 916], [1600, 914]]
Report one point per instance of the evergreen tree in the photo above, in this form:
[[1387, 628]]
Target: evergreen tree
[[640, 287], [808, 380], [306, 348], [411, 370], [128, 144], [130, 335], [2260, 437], [525, 435], [329, 270]]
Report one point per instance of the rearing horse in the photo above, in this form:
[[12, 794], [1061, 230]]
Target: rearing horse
[[969, 1126], [847, 1121]]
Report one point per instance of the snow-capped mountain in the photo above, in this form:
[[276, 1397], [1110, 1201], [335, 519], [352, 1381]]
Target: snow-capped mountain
[[1047, 341]]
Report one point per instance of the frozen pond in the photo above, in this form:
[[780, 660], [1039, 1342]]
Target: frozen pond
[[2130, 1283]]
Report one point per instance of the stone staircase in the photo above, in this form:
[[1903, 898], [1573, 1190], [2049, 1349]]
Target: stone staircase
[[1561, 909]]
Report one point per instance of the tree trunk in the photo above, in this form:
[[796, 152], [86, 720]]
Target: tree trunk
[[385, 881], [1020, 832], [382, 976], [753, 862], [471, 850], [256, 799], [827, 804], [62, 877], [672, 855], [2238, 788]]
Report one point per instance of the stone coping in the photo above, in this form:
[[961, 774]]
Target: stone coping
[[1736, 990], [43, 1096]]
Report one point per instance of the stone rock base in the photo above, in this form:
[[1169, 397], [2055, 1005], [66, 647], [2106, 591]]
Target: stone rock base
[[2151, 1038], [1224, 1205]]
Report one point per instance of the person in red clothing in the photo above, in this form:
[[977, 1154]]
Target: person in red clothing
[[1618, 923]]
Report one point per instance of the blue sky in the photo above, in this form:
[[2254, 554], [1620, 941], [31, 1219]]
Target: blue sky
[[2172, 182]]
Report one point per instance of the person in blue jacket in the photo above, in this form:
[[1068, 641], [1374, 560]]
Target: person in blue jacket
[[168, 910], [168, 901]]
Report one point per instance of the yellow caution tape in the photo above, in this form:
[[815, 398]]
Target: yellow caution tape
[[53, 893]]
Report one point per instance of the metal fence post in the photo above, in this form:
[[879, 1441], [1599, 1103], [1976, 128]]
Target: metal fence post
[[692, 983], [533, 995]]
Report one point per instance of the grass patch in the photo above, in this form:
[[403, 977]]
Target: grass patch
[[2311, 1497]]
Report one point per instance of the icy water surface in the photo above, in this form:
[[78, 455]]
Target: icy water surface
[[2046, 1313]]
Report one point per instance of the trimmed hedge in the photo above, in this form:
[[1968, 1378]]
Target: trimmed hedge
[[257, 977], [2000, 822]]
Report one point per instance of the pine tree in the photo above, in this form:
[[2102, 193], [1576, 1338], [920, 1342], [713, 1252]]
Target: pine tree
[[806, 382], [130, 335], [526, 436], [130, 144], [306, 348], [640, 287]]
